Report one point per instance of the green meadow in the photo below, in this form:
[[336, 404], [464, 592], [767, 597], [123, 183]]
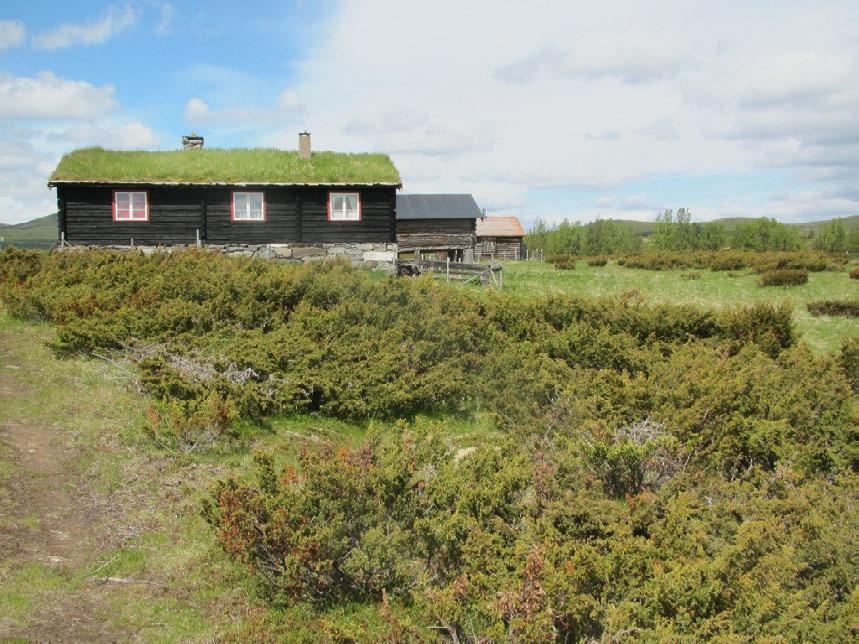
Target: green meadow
[[710, 289]]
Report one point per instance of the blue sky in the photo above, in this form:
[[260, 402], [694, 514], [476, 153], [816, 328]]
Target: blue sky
[[559, 110]]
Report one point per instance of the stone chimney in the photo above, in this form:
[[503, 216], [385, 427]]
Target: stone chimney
[[304, 145], [192, 141]]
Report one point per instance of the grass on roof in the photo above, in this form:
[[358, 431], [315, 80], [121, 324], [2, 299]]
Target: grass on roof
[[249, 165]]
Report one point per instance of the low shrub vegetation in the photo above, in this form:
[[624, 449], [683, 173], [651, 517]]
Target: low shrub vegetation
[[846, 308], [784, 277], [597, 261], [727, 260], [563, 262], [661, 472]]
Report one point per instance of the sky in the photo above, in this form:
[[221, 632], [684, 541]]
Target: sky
[[560, 110]]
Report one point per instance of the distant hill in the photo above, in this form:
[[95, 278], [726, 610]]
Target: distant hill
[[37, 233], [849, 222]]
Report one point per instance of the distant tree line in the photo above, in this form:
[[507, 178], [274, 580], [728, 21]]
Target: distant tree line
[[675, 231], [600, 237], [833, 237]]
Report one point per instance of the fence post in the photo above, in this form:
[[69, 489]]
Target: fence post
[[448, 268]]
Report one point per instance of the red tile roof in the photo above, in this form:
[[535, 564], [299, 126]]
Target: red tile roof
[[499, 227]]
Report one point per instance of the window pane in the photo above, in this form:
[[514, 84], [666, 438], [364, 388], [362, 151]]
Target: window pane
[[122, 200], [336, 202], [352, 202], [248, 206], [240, 205]]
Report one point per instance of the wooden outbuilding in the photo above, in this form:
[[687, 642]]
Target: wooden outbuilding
[[499, 238], [223, 196], [442, 225]]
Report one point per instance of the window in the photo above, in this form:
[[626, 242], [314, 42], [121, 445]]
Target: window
[[248, 206], [130, 206], [344, 206]]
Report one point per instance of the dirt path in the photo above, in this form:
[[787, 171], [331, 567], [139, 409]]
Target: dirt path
[[101, 538], [52, 521]]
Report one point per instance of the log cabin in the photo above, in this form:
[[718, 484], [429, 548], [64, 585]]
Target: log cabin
[[439, 224], [225, 196], [499, 238]]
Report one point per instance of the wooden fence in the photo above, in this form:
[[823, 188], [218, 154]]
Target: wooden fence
[[487, 274]]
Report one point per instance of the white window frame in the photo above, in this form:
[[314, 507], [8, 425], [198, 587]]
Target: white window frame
[[344, 215], [246, 217], [133, 196]]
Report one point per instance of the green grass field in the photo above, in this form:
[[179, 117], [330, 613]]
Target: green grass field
[[699, 287]]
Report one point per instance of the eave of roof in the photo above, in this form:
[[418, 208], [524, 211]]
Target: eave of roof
[[63, 182]]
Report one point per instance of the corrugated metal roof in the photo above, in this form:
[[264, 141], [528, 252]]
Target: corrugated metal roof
[[499, 227], [437, 207]]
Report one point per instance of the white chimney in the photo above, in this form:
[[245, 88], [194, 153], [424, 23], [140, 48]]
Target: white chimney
[[304, 145]]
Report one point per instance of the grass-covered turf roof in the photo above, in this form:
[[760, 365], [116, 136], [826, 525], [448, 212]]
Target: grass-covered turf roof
[[212, 166]]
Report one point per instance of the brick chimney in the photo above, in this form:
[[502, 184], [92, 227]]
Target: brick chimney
[[192, 141], [304, 145]]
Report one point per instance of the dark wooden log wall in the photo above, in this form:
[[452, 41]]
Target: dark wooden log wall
[[377, 217], [435, 234], [509, 248], [174, 216], [280, 225], [293, 215]]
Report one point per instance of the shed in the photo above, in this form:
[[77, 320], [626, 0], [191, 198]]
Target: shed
[[499, 238], [442, 224]]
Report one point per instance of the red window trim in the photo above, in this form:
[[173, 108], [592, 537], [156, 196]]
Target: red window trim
[[125, 221], [247, 221], [344, 221]]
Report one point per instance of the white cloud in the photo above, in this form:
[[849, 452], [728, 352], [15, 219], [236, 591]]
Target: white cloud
[[42, 117], [196, 111], [288, 107], [288, 100], [115, 21], [11, 34], [660, 130], [631, 57], [395, 119], [128, 136], [603, 135], [444, 141], [574, 101], [166, 14], [586, 97], [47, 96]]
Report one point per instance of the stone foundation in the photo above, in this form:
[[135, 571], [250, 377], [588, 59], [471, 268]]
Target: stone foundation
[[378, 256]]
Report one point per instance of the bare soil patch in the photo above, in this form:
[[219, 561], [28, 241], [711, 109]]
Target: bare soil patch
[[51, 516]]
